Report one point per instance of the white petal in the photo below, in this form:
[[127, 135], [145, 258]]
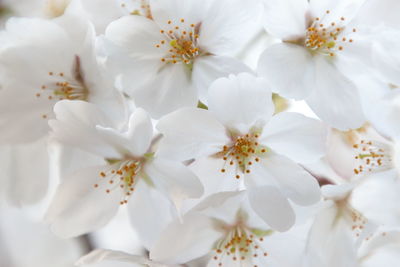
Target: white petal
[[300, 138], [269, 203], [165, 90], [196, 238], [150, 211], [240, 101], [136, 140], [294, 181], [222, 205], [207, 69], [330, 241], [25, 169], [174, 179], [78, 207], [286, 19], [137, 35], [289, 68], [100, 13], [76, 125], [384, 116], [336, 99], [337, 192], [20, 111], [226, 25], [140, 132], [185, 140], [114, 257], [175, 10]]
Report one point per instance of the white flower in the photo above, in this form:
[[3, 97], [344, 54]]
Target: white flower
[[240, 132], [89, 198], [42, 62], [168, 62], [342, 236], [225, 230], [372, 149], [323, 51]]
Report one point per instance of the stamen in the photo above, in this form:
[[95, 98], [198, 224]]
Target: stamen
[[123, 175], [324, 39], [373, 156], [239, 244], [182, 47], [242, 154]]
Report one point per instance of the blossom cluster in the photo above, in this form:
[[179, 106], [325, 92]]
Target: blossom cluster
[[179, 112]]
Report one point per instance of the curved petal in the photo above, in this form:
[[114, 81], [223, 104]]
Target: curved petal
[[384, 115], [100, 13], [136, 139], [140, 132], [336, 99], [137, 36], [300, 138], [240, 100], [286, 19], [289, 68], [295, 183], [75, 125], [175, 10], [227, 24], [185, 140], [150, 211], [222, 205], [207, 69], [167, 90], [196, 238], [174, 179], [115, 257], [269, 203], [78, 207]]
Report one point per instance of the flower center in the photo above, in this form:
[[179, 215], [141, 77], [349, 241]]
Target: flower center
[[242, 153], [60, 87], [327, 39], [180, 42], [122, 174], [373, 156], [239, 244]]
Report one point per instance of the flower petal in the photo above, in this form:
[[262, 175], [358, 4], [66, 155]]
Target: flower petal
[[75, 125], [289, 68], [146, 204], [136, 140], [203, 138], [207, 69], [336, 99], [112, 257], [196, 238], [300, 138], [163, 90], [285, 19], [78, 207], [295, 183], [137, 36], [25, 169], [174, 179], [269, 203], [240, 101]]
